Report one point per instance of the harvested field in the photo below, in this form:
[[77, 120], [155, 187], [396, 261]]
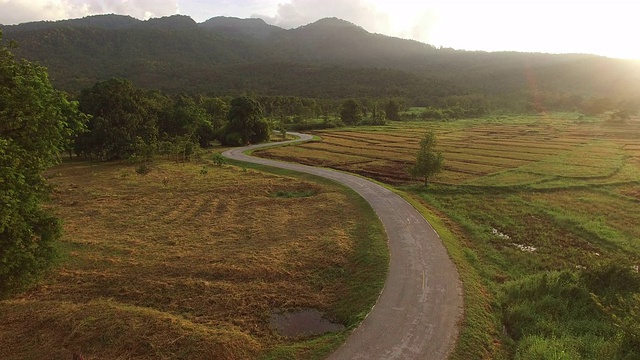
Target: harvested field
[[190, 261], [541, 145]]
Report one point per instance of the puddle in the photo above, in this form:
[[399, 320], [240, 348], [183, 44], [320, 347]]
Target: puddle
[[501, 235], [304, 322], [497, 233], [525, 248]]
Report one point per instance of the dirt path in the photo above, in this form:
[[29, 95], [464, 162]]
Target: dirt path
[[418, 310]]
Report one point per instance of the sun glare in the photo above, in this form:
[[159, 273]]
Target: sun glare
[[560, 26]]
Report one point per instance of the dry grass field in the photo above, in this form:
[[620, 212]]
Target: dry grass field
[[520, 150], [537, 206], [190, 261]]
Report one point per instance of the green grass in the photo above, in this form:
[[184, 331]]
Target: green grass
[[293, 194]]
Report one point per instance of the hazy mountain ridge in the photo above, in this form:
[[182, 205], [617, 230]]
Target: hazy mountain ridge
[[236, 27], [167, 50]]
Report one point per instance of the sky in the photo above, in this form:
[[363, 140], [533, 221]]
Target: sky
[[602, 27]]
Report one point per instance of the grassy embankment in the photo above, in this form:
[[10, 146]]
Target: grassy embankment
[[540, 214], [189, 262]]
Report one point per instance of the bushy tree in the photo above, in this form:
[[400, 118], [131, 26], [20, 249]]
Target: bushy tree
[[36, 122], [246, 124], [392, 110], [188, 119], [217, 110], [122, 118], [429, 162], [350, 112]]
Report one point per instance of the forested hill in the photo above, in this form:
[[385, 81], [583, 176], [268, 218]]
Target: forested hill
[[328, 58]]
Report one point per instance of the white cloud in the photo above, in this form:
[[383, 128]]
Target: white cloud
[[19, 11], [594, 26], [301, 12], [201, 10]]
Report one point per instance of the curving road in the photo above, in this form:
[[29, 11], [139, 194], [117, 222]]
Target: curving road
[[417, 313]]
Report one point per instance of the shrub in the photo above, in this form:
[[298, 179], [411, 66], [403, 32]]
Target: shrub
[[143, 169], [218, 159], [233, 139]]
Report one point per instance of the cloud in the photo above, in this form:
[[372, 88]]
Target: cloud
[[402, 18], [301, 12], [19, 11]]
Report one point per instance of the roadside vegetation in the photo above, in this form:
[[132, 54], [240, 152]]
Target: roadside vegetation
[[540, 215]]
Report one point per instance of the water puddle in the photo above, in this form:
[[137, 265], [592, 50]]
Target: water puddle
[[306, 322], [501, 235]]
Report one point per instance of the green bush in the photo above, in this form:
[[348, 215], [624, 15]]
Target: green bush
[[233, 139], [555, 315], [611, 279], [143, 169], [218, 159]]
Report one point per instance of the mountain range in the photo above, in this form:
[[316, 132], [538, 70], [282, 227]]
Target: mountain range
[[328, 58]]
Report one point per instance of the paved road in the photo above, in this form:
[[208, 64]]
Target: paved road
[[417, 313]]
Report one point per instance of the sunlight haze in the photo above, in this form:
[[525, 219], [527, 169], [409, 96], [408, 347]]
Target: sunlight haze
[[561, 26]]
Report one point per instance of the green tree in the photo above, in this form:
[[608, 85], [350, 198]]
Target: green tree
[[75, 125], [185, 118], [429, 162], [217, 110], [246, 124], [35, 121], [350, 112], [122, 118], [392, 110]]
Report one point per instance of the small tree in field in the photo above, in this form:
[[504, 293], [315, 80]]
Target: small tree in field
[[429, 162]]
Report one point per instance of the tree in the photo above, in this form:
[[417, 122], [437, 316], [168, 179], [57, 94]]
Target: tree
[[620, 116], [217, 110], [392, 110], [75, 125], [35, 122], [350, 112], [283, 128], [429, 162], [122, 115], [246, 124]]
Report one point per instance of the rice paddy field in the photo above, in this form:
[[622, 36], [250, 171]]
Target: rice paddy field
[[191, 261], [543, 213]]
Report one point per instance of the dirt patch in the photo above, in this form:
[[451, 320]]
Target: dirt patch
[[305, 322], [634, 193]]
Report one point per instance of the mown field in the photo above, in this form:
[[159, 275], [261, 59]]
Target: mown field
[[189, 262], [545, 212]]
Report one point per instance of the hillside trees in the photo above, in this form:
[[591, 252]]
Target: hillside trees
[[36, 125]]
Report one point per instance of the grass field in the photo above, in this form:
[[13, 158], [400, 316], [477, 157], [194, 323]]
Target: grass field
[[190, 261], [544, 211]]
